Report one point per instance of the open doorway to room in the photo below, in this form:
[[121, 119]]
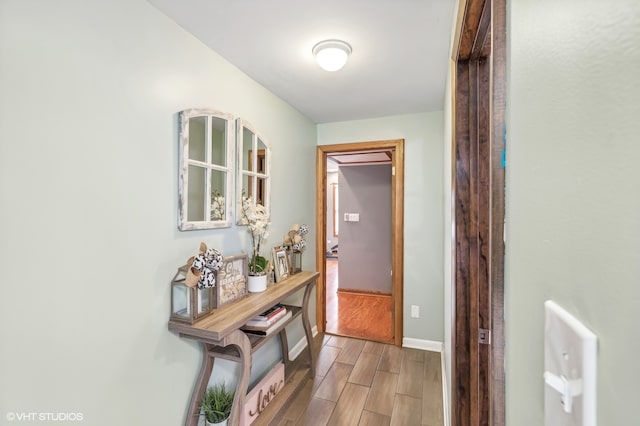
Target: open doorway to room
[[359, 240]]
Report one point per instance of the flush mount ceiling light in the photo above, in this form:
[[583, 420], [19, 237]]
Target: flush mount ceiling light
[[331, 55]]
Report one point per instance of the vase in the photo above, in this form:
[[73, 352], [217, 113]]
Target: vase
[[257, 283], [295, 258], [222, 423]]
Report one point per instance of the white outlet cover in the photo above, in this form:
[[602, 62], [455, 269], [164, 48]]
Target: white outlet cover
[[415, 311], [570, 355]]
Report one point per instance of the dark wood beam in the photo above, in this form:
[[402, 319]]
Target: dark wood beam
[[470, 38]]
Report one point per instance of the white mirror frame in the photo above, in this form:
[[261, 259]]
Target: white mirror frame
[[253, 174], [184, 224]]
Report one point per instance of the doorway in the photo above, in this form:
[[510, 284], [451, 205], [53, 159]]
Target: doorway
[[364, 153]]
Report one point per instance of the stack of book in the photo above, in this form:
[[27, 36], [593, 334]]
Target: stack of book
[[268, 321]]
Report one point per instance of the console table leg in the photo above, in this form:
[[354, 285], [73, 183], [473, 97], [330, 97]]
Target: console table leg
[[307, 329], [284, 345], [201, 384], [239, 339]]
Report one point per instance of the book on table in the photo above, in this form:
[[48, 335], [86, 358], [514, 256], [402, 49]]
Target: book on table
[[263, 320], [271, 312], [266, 330]]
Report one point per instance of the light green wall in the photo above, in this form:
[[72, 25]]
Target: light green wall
[[573, 194], [423, 135], [90, 92]]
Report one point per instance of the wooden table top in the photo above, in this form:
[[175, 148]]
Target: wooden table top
[[231, 317]]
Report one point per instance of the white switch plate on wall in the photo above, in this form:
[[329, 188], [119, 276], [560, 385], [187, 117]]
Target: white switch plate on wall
[[352, 217], [570, 354], [415, 311]]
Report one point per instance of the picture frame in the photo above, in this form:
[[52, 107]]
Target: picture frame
[[281, 263], [231, 280]]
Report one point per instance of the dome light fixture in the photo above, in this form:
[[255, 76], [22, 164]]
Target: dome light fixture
[[331, 55]]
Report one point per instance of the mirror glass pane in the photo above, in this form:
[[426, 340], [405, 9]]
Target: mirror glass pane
[[195, 199], [247, 146], [262, 151], [261, 191], [218, 141], [218, 204], [246, 186], [197, 138]]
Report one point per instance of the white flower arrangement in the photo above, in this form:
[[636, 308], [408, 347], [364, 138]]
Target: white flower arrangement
[[257, 218]]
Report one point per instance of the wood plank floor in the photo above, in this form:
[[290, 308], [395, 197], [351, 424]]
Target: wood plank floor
[[366, 316], [361, 382]]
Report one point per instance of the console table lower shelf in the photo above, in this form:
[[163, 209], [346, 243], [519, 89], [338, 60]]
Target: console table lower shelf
[[221, 337]]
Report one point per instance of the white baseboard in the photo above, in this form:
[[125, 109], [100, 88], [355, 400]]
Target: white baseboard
[[425, 345], [407, 342], [301, 345]]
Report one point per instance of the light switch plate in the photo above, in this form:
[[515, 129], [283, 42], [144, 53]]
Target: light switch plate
[[570, 353], [352, 217]]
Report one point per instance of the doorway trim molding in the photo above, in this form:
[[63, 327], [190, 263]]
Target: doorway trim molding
[[478, 212], [397, 226]]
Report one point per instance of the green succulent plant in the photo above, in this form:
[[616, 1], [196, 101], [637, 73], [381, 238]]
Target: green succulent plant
[[217, 403]]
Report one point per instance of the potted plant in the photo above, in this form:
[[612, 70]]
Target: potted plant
[[216, 404], [257, 218]]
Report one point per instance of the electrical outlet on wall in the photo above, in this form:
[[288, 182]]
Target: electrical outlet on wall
[[415, 311]]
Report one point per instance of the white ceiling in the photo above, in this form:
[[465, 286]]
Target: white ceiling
[[398, 65]]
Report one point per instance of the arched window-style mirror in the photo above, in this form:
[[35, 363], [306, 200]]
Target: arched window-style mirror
[[254, 167], [206, 169]]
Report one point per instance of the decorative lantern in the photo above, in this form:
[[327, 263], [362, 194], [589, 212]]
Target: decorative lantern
[[296, 261], [189, 304], [295, 243]]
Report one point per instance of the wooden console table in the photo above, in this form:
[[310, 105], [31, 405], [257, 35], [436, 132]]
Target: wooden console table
[[221, 337]]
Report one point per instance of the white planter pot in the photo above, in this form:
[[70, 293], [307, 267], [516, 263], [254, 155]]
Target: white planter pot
[[222, 423], [257, 283]]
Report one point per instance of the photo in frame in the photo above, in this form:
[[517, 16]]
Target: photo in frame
[[231, 280], [281, 263]]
